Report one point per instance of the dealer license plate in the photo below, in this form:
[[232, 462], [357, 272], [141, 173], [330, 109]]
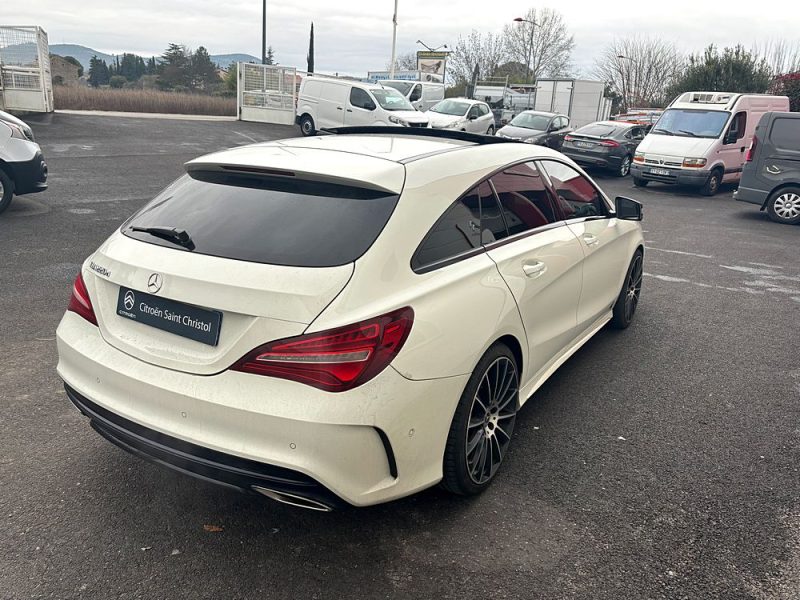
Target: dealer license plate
[[185, 320]]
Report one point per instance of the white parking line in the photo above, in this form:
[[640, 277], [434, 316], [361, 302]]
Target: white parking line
[[680, 252]]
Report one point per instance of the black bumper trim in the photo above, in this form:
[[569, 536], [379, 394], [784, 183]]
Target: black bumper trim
[[30, 176], [200, 462]]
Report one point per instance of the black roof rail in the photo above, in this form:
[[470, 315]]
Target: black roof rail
[[476, 138]]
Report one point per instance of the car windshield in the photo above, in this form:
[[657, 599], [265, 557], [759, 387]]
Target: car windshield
[[598, 130], [391, 99], [401, 86], [531, 121], [690, 122], [451, 107]]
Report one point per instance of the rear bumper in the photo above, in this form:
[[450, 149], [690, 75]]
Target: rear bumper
[[380, 441], [191, 459], [751, 195], [676, 176], [588, 160], [30, 176]]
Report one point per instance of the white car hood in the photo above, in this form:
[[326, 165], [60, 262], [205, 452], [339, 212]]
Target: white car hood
[[674, 145], [440, 120]]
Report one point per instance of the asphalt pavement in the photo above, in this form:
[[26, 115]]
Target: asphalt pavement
[[658, 462]]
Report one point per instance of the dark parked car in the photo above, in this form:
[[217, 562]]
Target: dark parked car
[[534, 127], [605, 144], [771, 173]]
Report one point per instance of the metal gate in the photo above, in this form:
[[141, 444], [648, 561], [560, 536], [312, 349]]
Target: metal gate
[[25, 81], [266, 93]]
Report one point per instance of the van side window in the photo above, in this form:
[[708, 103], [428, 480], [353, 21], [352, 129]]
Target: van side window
[[738, 126], [524, 198], [361, 99], [416, 94], [785, 134]]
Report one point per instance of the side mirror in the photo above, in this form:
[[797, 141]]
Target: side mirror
[[627, 209]]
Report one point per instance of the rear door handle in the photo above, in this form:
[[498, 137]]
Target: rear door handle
[[349, 110], [534, 269], [590, 239]]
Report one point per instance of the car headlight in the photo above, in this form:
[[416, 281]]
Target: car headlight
[[20, 133], [398, 121], [638, 157], [533, 140], [694, 163], [453, 124]]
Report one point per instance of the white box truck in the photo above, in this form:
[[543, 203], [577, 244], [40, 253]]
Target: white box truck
[[702, 138]]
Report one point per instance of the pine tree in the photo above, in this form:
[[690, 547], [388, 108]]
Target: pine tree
[[94, 72], [310, 56], [270, 56], [175, 69], [204, 72], [152, 67]]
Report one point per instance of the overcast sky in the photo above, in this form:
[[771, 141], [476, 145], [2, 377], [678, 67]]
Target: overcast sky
[[353, 36]]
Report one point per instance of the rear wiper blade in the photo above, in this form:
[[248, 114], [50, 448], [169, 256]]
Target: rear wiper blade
[[659, 130], [172, 234]]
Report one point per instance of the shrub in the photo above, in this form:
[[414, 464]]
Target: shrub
[[117, 81]]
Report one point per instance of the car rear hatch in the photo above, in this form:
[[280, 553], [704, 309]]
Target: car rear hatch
[[262, 252]]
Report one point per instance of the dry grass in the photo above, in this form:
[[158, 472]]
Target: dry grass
[[147, 101]]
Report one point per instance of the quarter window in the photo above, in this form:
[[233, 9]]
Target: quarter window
[[524, 198], [786, 133], [457, 231], [576, 196]]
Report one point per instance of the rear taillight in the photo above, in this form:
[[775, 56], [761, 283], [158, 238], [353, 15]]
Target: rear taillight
[[609, 144], [751, 151], [335, 360], [80, 302]]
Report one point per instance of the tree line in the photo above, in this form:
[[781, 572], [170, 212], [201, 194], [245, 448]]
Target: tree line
[[178, 69], [639, 71]]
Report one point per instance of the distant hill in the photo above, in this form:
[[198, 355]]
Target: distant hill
[[85, 54]]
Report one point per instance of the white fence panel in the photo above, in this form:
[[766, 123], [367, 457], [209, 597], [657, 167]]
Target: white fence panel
[[267, 93], [25, 80]]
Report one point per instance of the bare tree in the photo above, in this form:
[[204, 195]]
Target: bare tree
[[404, 62], [550, 54], [640, 69], [485, 50], [782, 56]]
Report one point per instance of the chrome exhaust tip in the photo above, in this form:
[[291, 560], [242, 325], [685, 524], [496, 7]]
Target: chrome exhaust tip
[[292, 499]]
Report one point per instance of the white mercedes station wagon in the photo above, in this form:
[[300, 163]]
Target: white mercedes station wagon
[[346, 319]]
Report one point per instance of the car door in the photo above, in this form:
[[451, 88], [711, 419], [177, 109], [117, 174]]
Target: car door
[[473, 123], [733, 148], [632, 139], [588, 215], [415, 97], [486, 119], [332, 104], [540, 260], [360, 108]]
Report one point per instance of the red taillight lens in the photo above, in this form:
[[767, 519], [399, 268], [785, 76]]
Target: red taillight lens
[[80, 302], [610, 144], [752, 150], [335, 360]]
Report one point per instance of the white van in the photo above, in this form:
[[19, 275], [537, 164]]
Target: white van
[[702, 139], [423, 95], [324, 103]]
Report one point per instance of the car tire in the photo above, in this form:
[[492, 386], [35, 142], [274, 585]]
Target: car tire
[[639, 182], [6, 190], [783, 206], [628, 299], [490, 131], [484, 420], [624, 168], [711, 186], [307, 126]]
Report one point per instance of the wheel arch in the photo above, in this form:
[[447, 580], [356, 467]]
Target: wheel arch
[[6, 168], [516, 349], [776, 190]]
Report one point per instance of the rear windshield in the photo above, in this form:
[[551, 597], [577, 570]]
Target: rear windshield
[[599, 130], [262, 220]]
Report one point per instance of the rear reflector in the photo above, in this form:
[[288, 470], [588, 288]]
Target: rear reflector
[[79, 301], [335, 360]]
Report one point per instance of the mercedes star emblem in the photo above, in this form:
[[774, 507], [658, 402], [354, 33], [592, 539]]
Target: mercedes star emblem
[[154, 283]]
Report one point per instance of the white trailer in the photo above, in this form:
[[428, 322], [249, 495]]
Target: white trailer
[[25, 81]]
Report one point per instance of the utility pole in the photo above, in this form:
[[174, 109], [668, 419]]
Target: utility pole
[[394, 40], [264, 34], [530, 76]]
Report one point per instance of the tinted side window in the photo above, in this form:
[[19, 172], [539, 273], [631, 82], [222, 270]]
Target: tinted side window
[[738, 125], [473, 112], [524, 198], [785, 134], [457, 231], [361, 99], [483, 109], [576, 196]]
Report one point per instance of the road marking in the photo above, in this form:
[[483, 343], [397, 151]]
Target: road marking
[[246, 136], [680, 252]]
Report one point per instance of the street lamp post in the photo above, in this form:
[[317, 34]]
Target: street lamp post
[[622, 75], [264, 34], [528, 73], [394, 41]]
